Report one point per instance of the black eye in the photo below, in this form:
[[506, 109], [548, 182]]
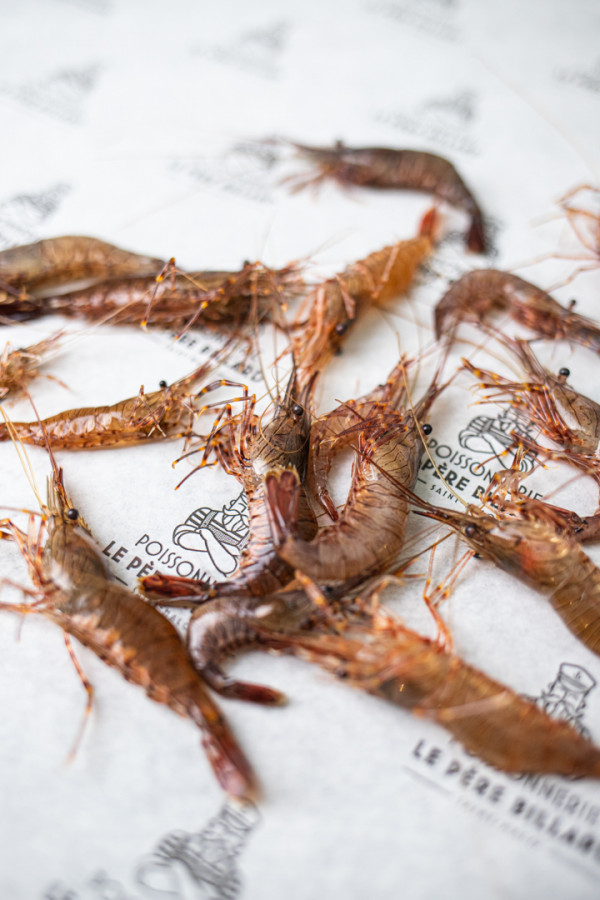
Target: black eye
[[72, 514], [297, 409], [426, 429], [327, 589], [162, 383], [342, 327], [471, 530], [564, 372]]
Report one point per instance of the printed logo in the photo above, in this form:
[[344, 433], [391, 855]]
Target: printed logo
[[258, 51], [61, 95], [21, 214], [566, 697], [530, 807], [222, 533], [444, 120], [491, 436], [586, 79], [434, 17], [184, 865]]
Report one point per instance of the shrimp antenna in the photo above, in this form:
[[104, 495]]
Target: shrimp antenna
[[23, 455]]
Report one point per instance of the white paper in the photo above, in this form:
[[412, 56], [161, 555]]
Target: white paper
[[138, 124]]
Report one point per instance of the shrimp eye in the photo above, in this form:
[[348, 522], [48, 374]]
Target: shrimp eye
[[327, 589], [426, 429], [471, 530], [162, 383], [342, 327], [72, 514], [297, 409], [564, 372]]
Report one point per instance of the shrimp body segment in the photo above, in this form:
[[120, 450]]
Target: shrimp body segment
[[331, 308], [126, 633], [488, 718], [485, 291], [381, 167]]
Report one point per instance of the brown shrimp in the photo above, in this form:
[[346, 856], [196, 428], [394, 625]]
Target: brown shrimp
[[227, 625], [369, 533], [158, 415], [528, 542], [491, 720], [124, 631], [176, 300], [282, 442], [381, 167], [33, 268], [569, 418], [485, 291], [327, 313], [18, 368]]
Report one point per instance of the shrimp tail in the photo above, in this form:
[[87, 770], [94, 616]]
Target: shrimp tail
[[429, 225], [475, 237], [229, 764]]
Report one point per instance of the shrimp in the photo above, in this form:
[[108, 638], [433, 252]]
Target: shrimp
[[119, 627], [369, 533], [229, 624], [331, 308], [19, 367], [282, 442], [529, 543], [567, 417], [213, 299], [158, 415], [389, 660], [484, 291], [55, 261], [380, 167]]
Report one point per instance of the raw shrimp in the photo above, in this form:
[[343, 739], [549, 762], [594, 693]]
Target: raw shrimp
[[282, 442], [54, 261], [381, 167], [484, 291], [19, 367], [370, 531], [124, 631], [567, 417], [176, 301], [391, 661], [525, 540], [158, 415], [331, 308]]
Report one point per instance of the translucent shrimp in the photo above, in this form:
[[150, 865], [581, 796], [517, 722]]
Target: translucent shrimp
[[247, 455], [74, 591], [485, 291], [386, 168], [331, 308], [173, 299], [33, 268], [158, 415]]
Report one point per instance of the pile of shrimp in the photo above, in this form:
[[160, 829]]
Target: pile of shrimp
[[303, 587]]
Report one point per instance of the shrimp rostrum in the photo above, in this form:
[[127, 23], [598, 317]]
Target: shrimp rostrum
[[74, 591], [388, 168]]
